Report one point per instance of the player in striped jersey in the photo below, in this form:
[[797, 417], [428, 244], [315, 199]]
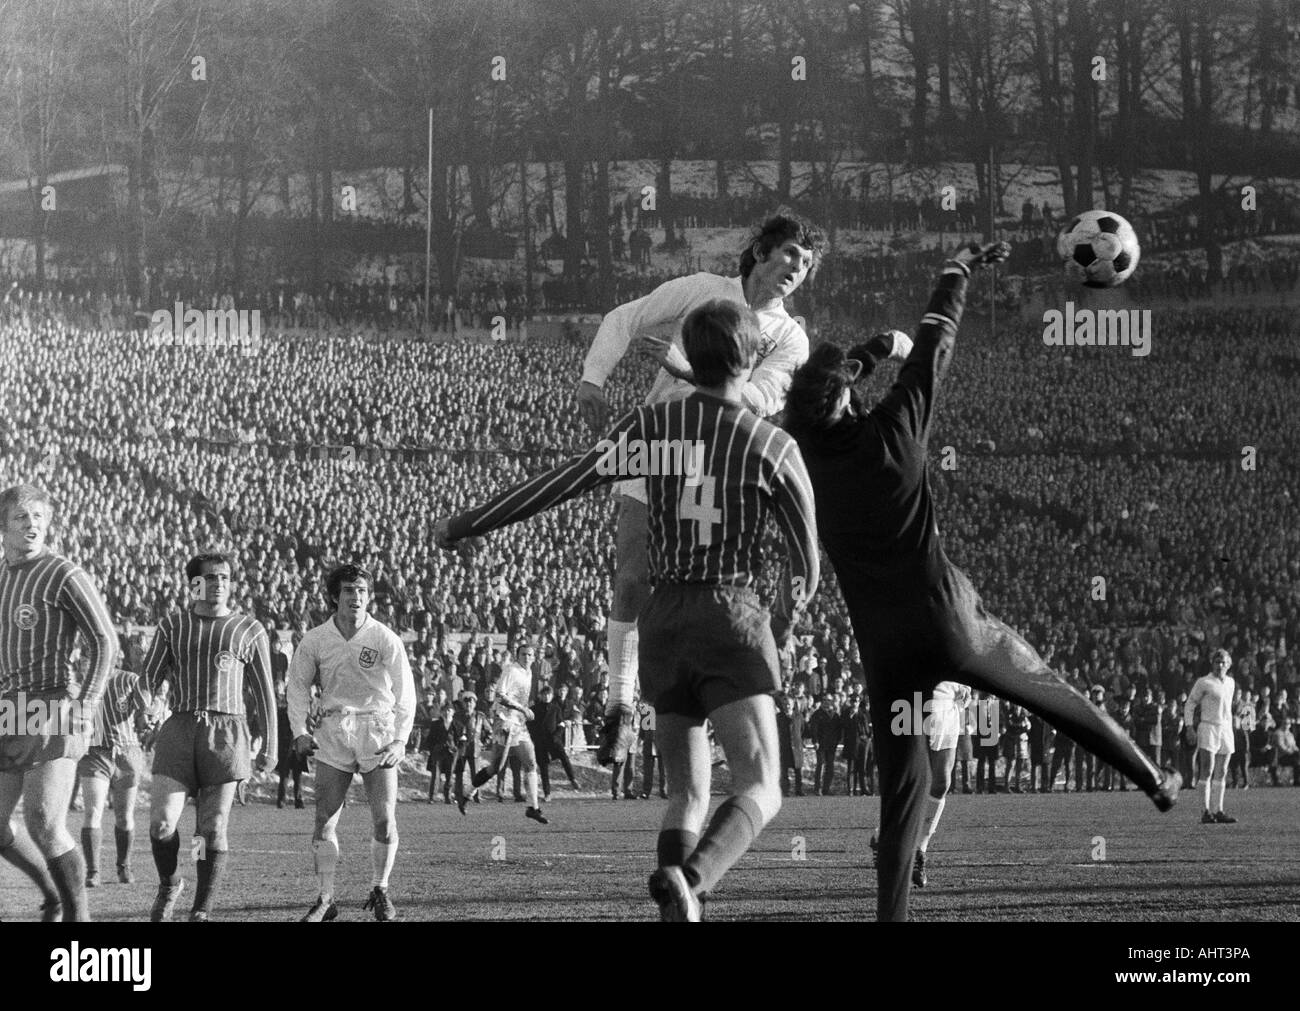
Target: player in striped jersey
[[45, 602], [204, 654], [775, 263], [510, 738], [707, 646], [916, 616], [114, 762], [366, 711], [1207, 719]]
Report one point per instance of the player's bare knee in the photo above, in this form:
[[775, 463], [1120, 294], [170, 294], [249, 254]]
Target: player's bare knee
[[386, 829]]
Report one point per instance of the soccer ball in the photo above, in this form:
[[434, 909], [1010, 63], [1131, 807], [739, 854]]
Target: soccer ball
[[1100, 249]]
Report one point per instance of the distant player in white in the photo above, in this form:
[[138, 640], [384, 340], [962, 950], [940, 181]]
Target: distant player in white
[[367, 709], [774, 264], [510, 736], [1207, 720], [943, 726]]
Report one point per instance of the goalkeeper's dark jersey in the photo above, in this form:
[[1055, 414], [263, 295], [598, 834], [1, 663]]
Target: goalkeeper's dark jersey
[[881, 534], [707, 510]]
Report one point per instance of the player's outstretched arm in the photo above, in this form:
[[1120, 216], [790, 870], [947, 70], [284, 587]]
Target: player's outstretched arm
[[911, 400], [671, 301], [596, 466]]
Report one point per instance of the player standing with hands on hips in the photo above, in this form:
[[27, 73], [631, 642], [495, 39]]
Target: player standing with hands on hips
[[708, 647], [367, 710], [916, 616]]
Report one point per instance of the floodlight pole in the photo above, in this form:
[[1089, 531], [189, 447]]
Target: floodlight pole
[[428, 222]]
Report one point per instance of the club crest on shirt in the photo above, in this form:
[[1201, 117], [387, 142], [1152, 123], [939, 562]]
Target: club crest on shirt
[[368, 657], [225, 661], [25, 617], [766, 345]]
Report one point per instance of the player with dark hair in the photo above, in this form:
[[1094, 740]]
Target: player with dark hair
[[708, 648], [205, 654], [367, 710], [917, 618], [775, 261], [45, 601]]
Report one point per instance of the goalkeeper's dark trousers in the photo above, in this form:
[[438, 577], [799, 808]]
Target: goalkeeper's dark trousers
[[944, 633]]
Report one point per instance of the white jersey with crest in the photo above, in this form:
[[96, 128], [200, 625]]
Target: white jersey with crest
[[1213, 698], [367, 673]]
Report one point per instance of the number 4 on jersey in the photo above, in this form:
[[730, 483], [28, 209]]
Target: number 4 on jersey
[[696, 505]]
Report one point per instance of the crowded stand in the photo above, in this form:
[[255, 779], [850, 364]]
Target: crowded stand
[[335, 440]]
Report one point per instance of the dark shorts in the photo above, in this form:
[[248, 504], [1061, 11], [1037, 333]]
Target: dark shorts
[[203, 749], [24, 751], [703, 647], [120, 766]]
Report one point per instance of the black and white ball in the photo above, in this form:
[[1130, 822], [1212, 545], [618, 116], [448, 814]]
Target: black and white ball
[[1100, 249]]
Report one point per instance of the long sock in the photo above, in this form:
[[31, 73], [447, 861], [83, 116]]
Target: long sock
[[733, 829], [382, 857], [1218, 792], [165, 853], [208, 872], [68, 871], [23, 853], [122, 837], [1205, 788], [91, 840], [623, 640], [675, 845], [325, 856], [933, 812], [530, 788]]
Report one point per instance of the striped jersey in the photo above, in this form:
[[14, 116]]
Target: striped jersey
[[124, 700], [205, 660], [714, 472], [44, 603], [367, 673]]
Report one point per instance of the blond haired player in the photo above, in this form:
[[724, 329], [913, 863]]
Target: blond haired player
[[1207, 718], [366, 710]]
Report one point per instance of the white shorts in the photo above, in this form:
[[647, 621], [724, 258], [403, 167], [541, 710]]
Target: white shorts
[[944, 728], [633, 487], [1215, 738], [351, 742]]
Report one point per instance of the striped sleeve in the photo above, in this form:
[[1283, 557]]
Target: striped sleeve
[[160, 661], [83, 601], [264, 689], [599, 465], [796, 515]]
